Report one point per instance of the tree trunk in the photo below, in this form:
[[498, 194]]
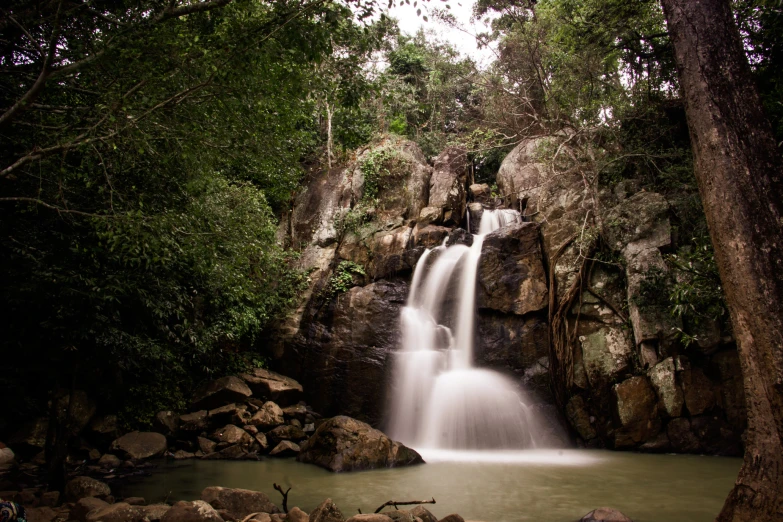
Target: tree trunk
[[739, 175], [329, 143]]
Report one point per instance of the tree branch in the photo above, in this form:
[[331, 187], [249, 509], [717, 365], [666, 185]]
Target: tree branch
[[59, 210], [396, 503], [38, 86]]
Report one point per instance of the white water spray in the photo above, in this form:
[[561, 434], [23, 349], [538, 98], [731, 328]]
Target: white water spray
[[439, 400]]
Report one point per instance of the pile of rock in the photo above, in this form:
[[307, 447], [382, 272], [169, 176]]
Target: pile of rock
[[257, 413], [90, 500]]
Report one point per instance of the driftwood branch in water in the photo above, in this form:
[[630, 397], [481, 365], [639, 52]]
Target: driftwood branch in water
[[396, 503], [285, 496]]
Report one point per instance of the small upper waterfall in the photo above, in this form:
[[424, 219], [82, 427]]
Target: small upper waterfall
[[439, 399]]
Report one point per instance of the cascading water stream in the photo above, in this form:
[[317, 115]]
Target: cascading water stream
[[439, 400]]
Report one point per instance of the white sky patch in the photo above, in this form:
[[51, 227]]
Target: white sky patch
[[463, 40]]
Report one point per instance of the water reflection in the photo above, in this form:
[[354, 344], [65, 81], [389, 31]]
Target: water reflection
[[542, 486]]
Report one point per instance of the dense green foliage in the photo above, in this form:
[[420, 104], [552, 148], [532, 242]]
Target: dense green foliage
[[148, 146], [138, 188]]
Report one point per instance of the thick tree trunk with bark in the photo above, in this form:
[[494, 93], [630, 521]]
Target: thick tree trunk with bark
[[739, 175]]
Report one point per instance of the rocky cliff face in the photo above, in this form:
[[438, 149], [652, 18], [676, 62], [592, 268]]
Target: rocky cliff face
[[629, 383]]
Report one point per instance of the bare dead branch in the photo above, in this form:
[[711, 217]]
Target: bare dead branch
[[396, 503], [59, 210], [285, 496]]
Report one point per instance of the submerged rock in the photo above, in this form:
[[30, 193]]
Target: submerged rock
[[371, 517], [346, 444], [605, 514]]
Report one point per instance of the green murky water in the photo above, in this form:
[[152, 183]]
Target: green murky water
[[541, 486]]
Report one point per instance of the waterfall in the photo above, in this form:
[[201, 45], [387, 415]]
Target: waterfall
[[439, 399]]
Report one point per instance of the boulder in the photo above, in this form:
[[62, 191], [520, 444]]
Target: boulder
[[84, 506], [119, 512], [155, 512], [166, 423], [229, 414], [231, 434], [285, 448], [327, 511], [401, 515], [663, 378], [109, 461], [511, 277], [371, 517], [239, 503], [424, 514], [480, 192], [7, 457], [297, 411], [452, 518], [273, 386], [699, 391], [430, 216], [346, 444], [267, 417], [429, 236], [183, 455], [195, 422], [196, 511], [475, 212], [234, 452], [521, 175], [262, 441], [221, 392], [447, 184], [140, 445], [285, 432], [82, 487], [605, 514], [636, 409], [648, 280], [605, 355], [206, 445], [297, 515]]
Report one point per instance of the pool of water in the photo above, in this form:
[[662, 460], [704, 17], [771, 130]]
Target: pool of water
[[541, 486]]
